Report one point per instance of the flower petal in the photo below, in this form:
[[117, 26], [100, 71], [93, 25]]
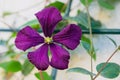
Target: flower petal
[[40, 57], [28, 37], [60, 57], [69, 36], [48, 19]]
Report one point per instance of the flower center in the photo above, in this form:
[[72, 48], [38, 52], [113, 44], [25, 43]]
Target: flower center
[[48, 40]]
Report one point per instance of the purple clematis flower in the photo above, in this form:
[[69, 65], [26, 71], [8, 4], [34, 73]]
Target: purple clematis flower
[[69, 37]]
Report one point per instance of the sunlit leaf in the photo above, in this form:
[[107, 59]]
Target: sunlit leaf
[[111, 70], [106, 4], [86, 44], [59, 5], [84, 2], [45, 76], [80, 70], [27, 67], [11, 66], [6, 13], [33, 23], [13, 34]]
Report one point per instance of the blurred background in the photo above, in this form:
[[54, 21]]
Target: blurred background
[[16, 14]]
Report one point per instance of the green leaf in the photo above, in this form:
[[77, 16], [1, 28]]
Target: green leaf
[[111, 70], [84, 2], [106, 4], [80, 70], [82, 20], [119, 69], [61, 24], [95, 23], [6, 13], [11, 66], [59, 5], [86, 44], [27, 67], [45, 76], [112, 41], [32, 23]]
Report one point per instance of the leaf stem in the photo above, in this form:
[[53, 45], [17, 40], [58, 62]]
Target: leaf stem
[[91, 41], [41, 75], [106, 63]]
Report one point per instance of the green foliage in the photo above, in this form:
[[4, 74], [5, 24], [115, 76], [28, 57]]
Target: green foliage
[[112, 40], [6, 13], [111, 70], [45, 76], [32, 23], [86, 44], [119, 47], [61, 24], [84, 2], [59, 5], [106, 4], [27, 67], [82, 20], [80, 70], [11, 66]]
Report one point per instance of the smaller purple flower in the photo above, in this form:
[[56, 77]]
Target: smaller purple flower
[[69, 37]]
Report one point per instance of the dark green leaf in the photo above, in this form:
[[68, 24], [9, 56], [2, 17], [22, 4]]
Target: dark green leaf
[[11, 66], [59, 5], [61, 24], [106, 4], [111, 70], [95, 23], [112, 41], [27, 67], [80, 70], [82, 20], [84, 1], [45, 76], [86, 44], [119, 69]]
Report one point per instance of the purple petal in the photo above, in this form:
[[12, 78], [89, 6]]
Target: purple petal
[[27, 37], [40, 57], [70, 36], [48, 19], [60, 57]]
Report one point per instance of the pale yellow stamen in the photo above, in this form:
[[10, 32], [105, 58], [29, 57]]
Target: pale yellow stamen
[[48, 40]]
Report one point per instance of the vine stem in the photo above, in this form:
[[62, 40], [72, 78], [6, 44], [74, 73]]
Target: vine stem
[[68, 9], [8, 25], [41, 75], [54, 73], [67, 12], [106, 63], [91, 41]]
